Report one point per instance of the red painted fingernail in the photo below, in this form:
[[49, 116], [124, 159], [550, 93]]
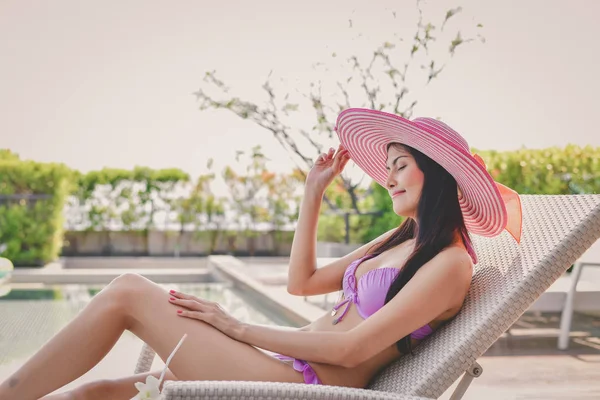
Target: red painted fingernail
[[179, 311], [172, 299], [172, 291]]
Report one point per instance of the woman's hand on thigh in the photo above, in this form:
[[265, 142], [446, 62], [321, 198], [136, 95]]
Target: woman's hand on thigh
[[207, 311]]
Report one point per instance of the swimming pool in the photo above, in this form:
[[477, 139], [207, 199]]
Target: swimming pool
[[31, 314]]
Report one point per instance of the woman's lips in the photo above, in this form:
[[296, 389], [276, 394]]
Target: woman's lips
[[396, 194]]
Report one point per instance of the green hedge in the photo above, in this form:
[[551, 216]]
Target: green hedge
[[569, 170], [125, 197], [33, 196], [32, 199]]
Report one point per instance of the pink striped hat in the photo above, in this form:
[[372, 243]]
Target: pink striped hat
[[487, 206]]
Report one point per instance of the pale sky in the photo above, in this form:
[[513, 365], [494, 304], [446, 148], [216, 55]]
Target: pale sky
[[110, 83]]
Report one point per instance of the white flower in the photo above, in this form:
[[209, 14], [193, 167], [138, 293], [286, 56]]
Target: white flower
[[150, 390]]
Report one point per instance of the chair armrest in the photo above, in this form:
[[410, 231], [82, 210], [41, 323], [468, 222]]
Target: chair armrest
[[239, 390]]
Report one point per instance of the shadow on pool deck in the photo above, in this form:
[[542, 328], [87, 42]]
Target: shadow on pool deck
[[536, 334]]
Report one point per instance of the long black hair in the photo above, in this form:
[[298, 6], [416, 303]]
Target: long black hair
[[439, 220]]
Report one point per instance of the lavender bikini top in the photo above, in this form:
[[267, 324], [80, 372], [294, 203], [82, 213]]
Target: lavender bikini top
[[368, 293]]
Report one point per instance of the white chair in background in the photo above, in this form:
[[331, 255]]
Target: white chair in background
[[578, 291]]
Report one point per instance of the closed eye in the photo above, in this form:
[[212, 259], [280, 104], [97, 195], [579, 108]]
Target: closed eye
[[394, 162], [399, 169]]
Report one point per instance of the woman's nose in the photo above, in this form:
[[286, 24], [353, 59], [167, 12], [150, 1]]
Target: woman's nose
[[390, 182]]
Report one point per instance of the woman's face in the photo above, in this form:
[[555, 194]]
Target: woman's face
[[404, 182]]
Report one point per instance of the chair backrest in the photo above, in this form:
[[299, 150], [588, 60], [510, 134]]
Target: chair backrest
[[507, 280]]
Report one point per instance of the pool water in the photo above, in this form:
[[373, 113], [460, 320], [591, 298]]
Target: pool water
[[30, 316]]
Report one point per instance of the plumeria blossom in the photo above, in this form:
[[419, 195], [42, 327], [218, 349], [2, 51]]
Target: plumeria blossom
[[150, 390]]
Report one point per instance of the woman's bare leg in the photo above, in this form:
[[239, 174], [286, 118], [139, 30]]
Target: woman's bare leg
[[139, 305], [72, 351]]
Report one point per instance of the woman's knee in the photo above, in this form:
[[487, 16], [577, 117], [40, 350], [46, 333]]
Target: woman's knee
[[128, 280], [121, 293], [127, 285], [132, 294]]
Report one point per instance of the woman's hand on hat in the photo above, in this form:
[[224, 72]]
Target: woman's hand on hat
[[326, 167]]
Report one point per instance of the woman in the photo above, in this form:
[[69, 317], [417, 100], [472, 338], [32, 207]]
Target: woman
[[398, 289]]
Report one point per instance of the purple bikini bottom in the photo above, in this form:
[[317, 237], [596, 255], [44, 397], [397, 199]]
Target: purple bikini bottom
[[310, 376]]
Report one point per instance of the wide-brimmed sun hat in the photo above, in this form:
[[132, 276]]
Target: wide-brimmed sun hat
[[488, 207]]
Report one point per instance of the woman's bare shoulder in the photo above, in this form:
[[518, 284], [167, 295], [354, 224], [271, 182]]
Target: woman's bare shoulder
[[459, 259]]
